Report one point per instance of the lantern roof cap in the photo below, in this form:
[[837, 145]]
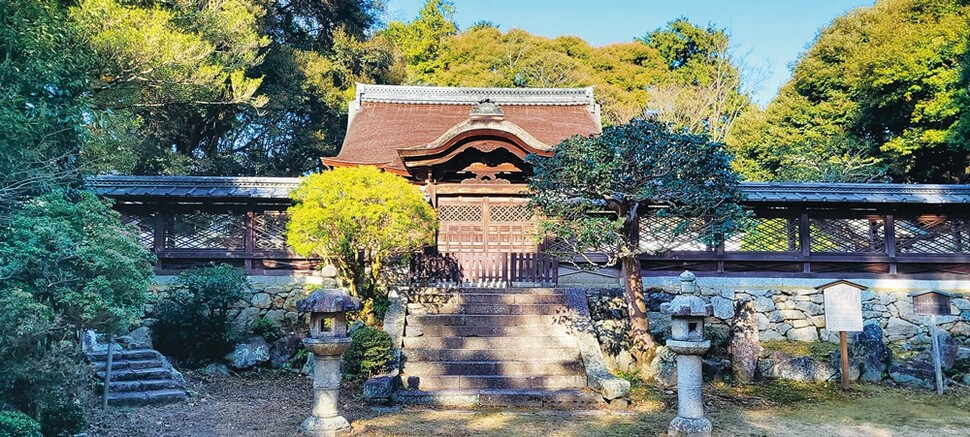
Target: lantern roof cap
[[687, 306], [328, 300]]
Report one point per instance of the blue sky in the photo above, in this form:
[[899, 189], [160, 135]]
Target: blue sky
[[769, 34]]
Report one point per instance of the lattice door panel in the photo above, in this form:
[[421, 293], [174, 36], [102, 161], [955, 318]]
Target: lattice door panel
[[932, 236], [269, 230], [848, 235], [460, 213], [145, 225], [660, 234], [768, 235], [509, 213], [204, 230]]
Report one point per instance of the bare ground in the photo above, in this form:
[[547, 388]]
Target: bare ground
[[271, 404]]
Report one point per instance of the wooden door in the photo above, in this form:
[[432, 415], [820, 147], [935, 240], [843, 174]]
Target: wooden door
[[485, 225]]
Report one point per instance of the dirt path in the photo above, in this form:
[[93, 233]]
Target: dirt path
[[273, 404]]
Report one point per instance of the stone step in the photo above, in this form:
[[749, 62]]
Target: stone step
[[431, 300], [118, 355], [487, 309], [426, 320], [547, 399], [479, 382], [129, 364], [495, 368], [151, 397], [486, 290], [483, 331], [143, 385], [518, 343], [138, 374], [541, 354]]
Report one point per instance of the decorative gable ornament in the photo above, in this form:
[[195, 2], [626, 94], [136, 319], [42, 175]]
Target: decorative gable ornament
[[486, 110]]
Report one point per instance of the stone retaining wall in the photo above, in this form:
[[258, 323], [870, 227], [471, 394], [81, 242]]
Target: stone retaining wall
[[273, 297], [792, 309]]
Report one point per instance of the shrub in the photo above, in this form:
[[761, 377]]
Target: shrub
[[17, 424], [62, 419], [193, 324], [368, 355], [267, 328]]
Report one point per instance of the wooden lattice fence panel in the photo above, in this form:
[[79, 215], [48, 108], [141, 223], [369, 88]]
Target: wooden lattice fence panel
[[206, 230], [767, 235], [660, 234], [269, 230], [145, 225], [932, 236], [844, 235]]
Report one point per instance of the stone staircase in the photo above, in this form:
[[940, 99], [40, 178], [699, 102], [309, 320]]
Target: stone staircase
[[492, 347], [139, 377]]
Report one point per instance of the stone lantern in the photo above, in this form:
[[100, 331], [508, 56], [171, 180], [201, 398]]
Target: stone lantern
[[687, 312], [327, 342]]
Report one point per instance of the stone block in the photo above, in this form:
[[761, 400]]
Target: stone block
[[808, 334], [770, 335], [328, 271], [817, 321], [728, 294], [723, 308], [763, 304], [759, 292], [379, 389], [791, 315], [867, 295], [899, 329], [800, 323], [762, 321], [261, 300], [812, 309], [783, 328]]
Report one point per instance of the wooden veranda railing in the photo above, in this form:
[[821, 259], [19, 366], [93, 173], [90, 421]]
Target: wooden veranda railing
[[485, 269]]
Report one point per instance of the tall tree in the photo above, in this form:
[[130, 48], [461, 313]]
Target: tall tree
[[706, 92], [881, 91], [600, 193], [420, 41]]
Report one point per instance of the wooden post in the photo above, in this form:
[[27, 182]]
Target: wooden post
[[844, 347], [936, 356], [107, 371]]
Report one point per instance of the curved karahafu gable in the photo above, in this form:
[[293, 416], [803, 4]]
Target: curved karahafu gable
[[397, 127]]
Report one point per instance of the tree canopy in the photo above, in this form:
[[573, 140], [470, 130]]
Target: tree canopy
[[357, 219], [600, 193], [884, 91]]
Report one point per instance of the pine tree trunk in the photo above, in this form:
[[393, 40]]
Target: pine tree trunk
[[637, 305]]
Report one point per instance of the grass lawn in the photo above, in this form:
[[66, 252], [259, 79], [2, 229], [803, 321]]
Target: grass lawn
[[273, 404]]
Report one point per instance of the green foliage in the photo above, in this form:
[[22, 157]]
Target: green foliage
[[71, 252], [420, 41], [42, 102], [882, 91], [67, 263], [62, 419], [594, 190], [368, 355], [267, 328], [17, 424], [357, 219], [193, 320]]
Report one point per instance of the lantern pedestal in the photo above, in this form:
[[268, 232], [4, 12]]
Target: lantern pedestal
[[325, 420], [687, 312], [327, 342]]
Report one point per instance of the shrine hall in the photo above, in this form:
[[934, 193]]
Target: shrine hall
[[466, 147]]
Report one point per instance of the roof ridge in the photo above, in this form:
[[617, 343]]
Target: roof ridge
[[432, 95]]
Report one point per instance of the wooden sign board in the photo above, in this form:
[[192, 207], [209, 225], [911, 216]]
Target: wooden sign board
[[843, 308], [932, 303]]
